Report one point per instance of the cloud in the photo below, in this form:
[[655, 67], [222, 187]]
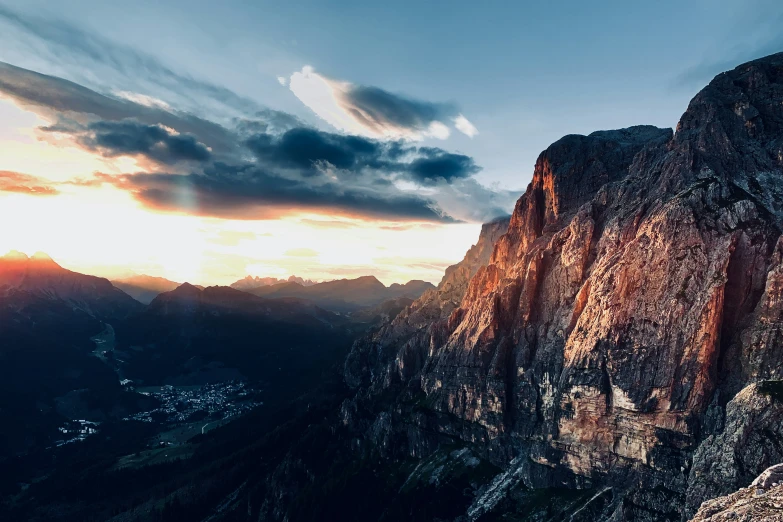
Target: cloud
[[143, 99], [282, 80], [468, 200], [310, 151], [72, 50], [249, 192], [375, 112], [26, 184], [304, 148], [465, 127], [266, 166], [72, 105], [132, 138], [437, 164]]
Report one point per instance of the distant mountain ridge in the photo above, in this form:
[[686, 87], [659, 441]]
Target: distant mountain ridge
[[250, 282], [41, 276], [144, 288], [192, 335], [346, 295], [340, 295]]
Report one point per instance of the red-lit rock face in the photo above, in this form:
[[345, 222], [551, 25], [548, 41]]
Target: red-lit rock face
[[640, 281]]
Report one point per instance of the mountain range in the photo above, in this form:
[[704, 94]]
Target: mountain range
[[345, 295], [250, 282], [70, 339], [144, 288], [609, 353]]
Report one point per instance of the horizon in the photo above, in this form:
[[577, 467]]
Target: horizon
[[39, 255], [121, 156]]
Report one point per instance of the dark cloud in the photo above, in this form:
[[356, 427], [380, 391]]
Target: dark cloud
[[131, 138], [378, 109], [303, 148], [249, 192], [26, 184], [436, 165]]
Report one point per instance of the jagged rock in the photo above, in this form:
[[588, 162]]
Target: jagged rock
[[761, 502], [771, 478], [751, 441]]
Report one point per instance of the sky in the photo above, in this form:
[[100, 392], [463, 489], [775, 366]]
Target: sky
[[205, 141]]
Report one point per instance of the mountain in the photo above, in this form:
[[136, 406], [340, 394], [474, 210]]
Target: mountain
[[48, 316], [382, 313], [195, 336], [144, 288], [345, 295], [40, 276], [251, 282]]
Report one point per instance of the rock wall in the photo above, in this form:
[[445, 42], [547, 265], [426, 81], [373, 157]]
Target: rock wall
[[638, 288]]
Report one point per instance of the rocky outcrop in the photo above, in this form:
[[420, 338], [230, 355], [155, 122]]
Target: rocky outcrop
[[638, 288], [751, 439], [761, 502]]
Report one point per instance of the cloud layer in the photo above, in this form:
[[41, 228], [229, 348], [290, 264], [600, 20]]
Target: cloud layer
[[26, 184], [375, 112], [265, 166]]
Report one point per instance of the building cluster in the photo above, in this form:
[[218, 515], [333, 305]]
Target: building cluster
[[180, 404], [76, 430]]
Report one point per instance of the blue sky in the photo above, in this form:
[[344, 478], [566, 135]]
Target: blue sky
[[451, 103]]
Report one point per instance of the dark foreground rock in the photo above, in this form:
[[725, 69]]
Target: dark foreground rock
[[761, 502]]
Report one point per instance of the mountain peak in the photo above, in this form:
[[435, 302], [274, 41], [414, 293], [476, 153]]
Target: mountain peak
[[15, 255], [367, 278], [187, 287], [43, 259]]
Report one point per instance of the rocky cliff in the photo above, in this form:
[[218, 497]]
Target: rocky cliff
[[638, 289]]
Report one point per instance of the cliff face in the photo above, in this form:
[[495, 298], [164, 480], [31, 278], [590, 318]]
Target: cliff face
[[638, 288], [398, 350]]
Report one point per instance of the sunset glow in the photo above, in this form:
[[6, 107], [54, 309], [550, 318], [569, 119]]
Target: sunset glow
[[103, 230]]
